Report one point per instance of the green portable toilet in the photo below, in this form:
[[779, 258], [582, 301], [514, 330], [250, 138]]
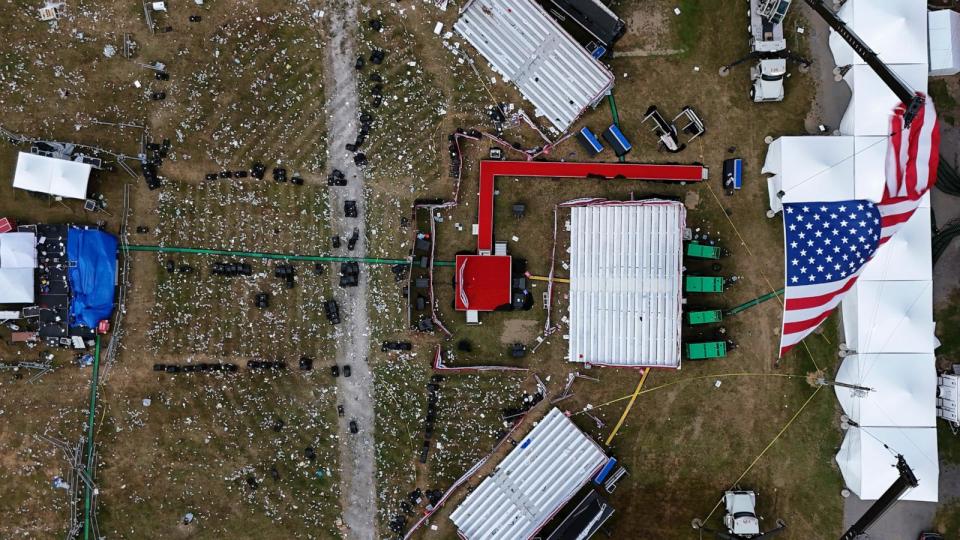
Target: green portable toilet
[[704, 317], [704, 284], [706, 351], [702, 251]]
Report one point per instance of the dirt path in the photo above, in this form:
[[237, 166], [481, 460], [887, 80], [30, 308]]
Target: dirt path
[[357, 458]]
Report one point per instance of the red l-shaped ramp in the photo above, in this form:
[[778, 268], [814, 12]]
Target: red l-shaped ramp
[[491, 169]]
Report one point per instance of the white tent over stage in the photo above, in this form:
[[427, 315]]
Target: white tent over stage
[[868, 467], [902, 393], [18, 259], [52, 175]]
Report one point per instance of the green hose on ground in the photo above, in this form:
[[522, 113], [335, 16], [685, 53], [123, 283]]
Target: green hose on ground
[[88, 486]]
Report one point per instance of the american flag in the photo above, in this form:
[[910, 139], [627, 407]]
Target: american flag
[[829, 243]]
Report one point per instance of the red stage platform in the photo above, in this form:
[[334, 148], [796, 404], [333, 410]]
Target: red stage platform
[[483, 282], [491, 169]]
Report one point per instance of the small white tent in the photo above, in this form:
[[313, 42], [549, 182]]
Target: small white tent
[[810, 169], [903, 389], [18, 259], [944, 42], [52, 175], [895, 29], [867, 461], [889, 317]]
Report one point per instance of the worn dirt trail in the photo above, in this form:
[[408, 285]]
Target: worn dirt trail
[[357, 457]]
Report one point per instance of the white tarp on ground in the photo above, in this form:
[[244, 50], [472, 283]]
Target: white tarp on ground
[[944, 42], [810, 169], [889, 317], [52, 175], [625, 295], [18, 259], [872, 102], [527, 46], [868, 468], [535, 480], [895, 29], [903, 389]]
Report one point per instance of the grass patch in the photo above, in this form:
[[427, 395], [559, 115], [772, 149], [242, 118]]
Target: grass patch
[[688, 25]]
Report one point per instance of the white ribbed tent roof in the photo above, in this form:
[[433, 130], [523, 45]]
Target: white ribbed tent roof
[[889, 317], [868, 468], [903, 389], [872, 101], [51, 175], [18, 259], [525, 45], [535, 479], [895, 29], [625, 296]]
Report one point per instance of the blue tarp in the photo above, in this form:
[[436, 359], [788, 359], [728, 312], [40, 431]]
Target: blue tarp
[[93, 257]]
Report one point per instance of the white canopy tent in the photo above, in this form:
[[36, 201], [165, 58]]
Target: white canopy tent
[[18, 259], [903, 389], [868, 468], [895, 29], [872, 102], [810, 169], [52, 175], [944, 42], [889, 317], [907, 255]]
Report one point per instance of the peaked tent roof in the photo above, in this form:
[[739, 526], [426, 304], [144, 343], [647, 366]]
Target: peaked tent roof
[[18, 259], [52, 175], [872, 101], [890, 317], [903, 389], [810, 169], [895, 29], [868, 467]]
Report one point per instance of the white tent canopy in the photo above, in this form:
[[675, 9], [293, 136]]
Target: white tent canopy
[[889, 317], [895, 29], [52, 175], [18, 259], [810, 169], [868, 468], [903, 389], [907, 255], [872, 102], [944, 42]]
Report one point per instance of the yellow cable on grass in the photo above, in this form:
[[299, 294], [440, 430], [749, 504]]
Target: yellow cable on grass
[[626, 411], [755, 460], [691, 379]]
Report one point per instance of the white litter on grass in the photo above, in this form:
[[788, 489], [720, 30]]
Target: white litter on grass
[[717, 384], [676, 10], [438, 28], [515, 238]]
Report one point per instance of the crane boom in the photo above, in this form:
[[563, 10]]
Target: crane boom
[[905, 481]]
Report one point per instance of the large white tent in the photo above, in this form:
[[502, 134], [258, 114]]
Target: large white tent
[[944, 42], [903, 389], [625, 297], [810, 169], [18, 259], [907, 255], [532, 483], [889, 317], [872, 101], [52, 175], [867, 460], [895, 29]]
